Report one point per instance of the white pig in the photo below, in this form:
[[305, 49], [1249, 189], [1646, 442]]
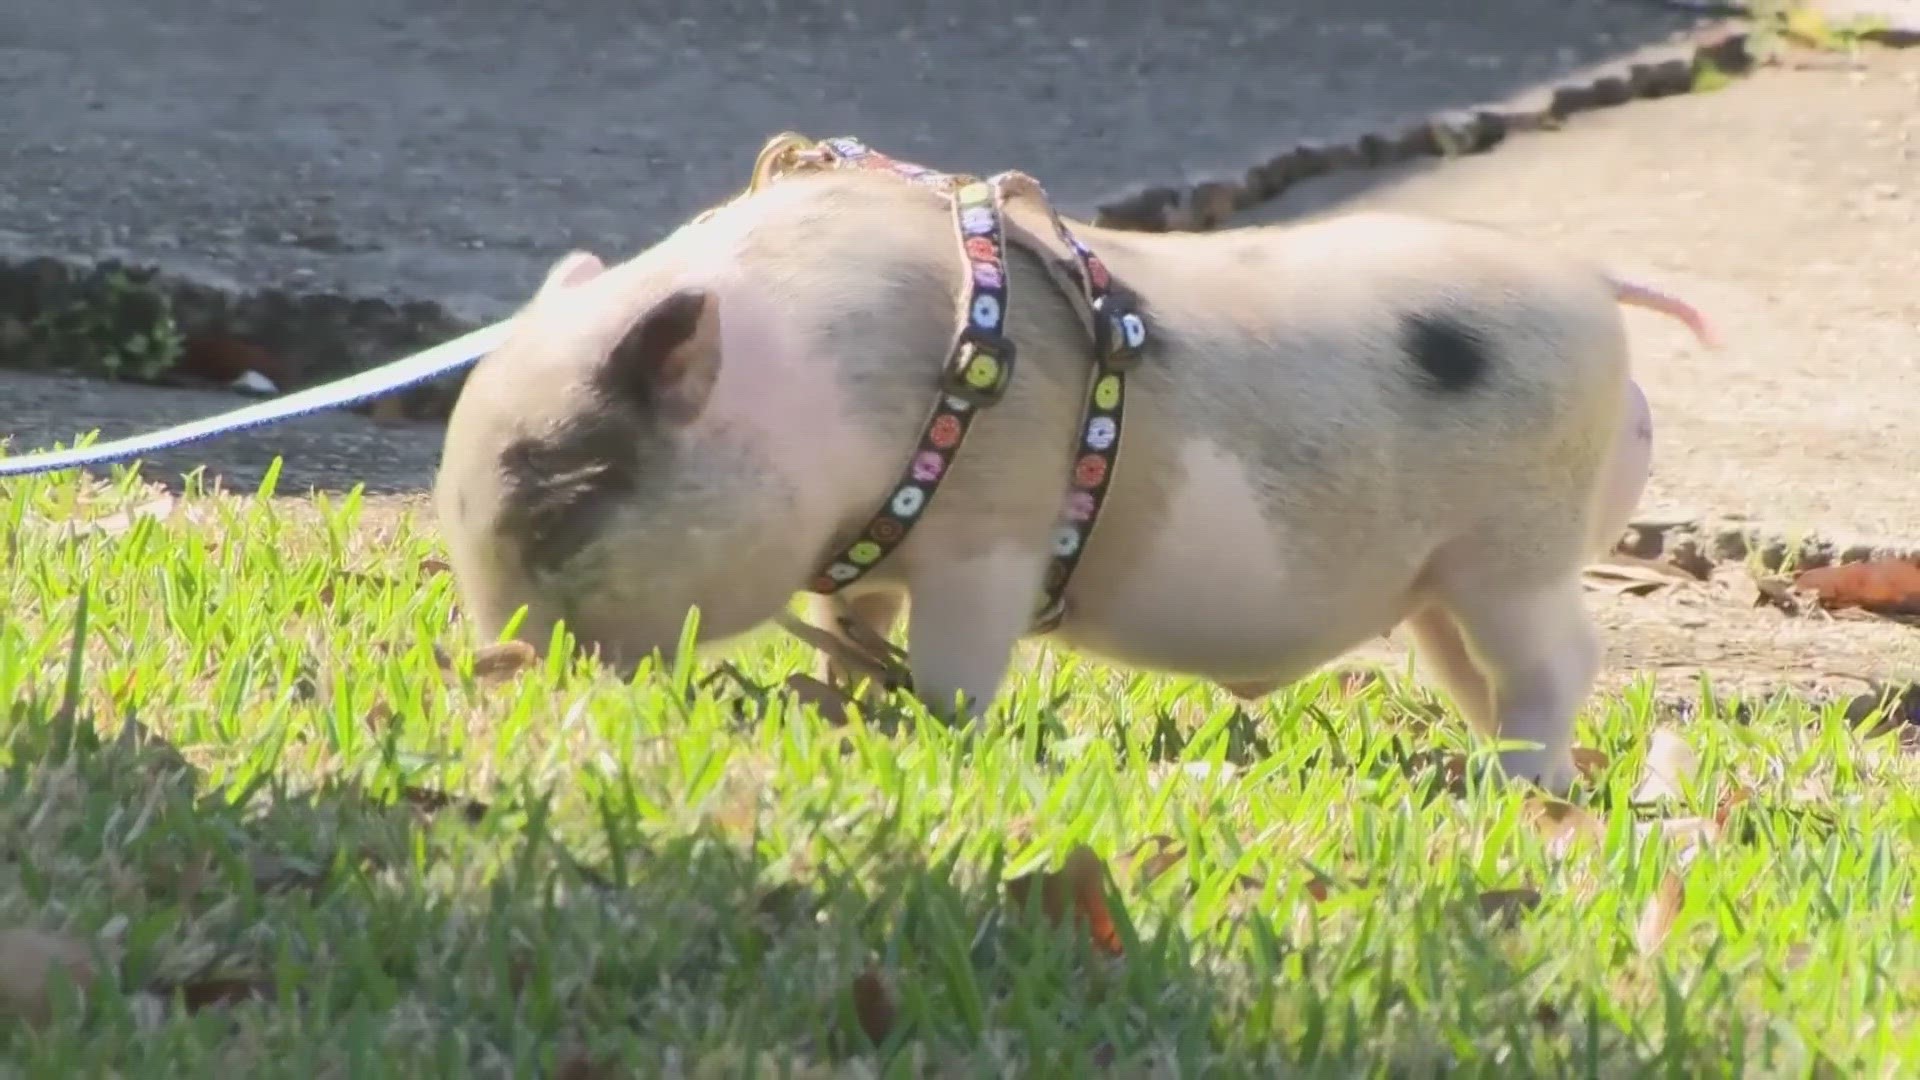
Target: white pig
[[1340, 427]]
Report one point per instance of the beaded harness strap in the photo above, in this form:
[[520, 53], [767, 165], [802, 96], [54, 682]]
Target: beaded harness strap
[[981, 361]]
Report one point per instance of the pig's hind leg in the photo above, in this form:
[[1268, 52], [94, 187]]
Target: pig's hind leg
[[1525, 631], [1443, 655]]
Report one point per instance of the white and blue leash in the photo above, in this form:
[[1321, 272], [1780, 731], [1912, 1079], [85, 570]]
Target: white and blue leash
[[443, 359]]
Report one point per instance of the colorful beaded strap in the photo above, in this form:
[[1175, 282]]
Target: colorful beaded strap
[[981, 365]]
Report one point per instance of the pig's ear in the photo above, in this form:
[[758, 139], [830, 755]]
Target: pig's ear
[[573, 268], [670, 358]]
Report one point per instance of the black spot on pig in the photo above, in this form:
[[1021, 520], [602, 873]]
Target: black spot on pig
[[561, 486], [1451, 356]]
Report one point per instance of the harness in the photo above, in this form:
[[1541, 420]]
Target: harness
[[980, 363], [978, 369]]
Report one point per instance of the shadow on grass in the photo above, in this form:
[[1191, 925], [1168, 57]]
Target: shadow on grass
[[379, 929]]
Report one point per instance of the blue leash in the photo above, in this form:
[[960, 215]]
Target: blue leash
[[443, 359]]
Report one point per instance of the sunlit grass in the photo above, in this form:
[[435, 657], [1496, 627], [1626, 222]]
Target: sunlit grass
[[680, 875]]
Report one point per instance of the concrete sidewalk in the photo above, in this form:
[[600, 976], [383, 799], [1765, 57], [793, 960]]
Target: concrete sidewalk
[[446, 150]]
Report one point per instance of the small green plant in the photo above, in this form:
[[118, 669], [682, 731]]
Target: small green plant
[[1782, 24], [115, 325]]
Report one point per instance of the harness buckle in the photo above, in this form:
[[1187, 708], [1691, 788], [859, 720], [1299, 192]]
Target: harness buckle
[[1119, 333], [981, 366]]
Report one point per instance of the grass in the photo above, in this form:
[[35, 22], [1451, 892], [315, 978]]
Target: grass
[[261, 783]]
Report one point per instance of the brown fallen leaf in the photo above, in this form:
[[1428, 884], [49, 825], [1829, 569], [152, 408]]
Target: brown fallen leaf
[[1657, 918], [430, 801], [1729, 802], [1505, 906], [1078, 889], [379, 718], [224, 360], [1778, 592], [159, 509], [1318, 887], [580, 1065], [1689, 835], [1589, 762], [1882, 586], [30, 961], [1451, 768], [501, 661], [811, 691], [1562, 824], [1669, 767], [434, 567], [1166, 855], [873, 1006], [1797, 956], [1633, 577], [197, 994]]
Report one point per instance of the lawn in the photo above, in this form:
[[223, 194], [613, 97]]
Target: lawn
[[267, 801]]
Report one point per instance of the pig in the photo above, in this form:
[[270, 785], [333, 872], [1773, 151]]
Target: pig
[[1360, 422]]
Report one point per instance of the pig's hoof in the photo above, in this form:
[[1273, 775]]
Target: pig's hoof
[[1553, 772]]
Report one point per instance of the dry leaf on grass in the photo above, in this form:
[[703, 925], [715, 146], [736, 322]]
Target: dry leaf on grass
[[1779, 593], [501, 661], [30, 961], [1729, 802], [1076, 889], [1167, 853], [198, 994], [1657, 918], [1668, 769], [159, 509], [430, 801], [1562, 824], [434, 567], [1505, 906], [1688, 834], [873, 1006], [1625, 575], [1589, 762], [1883, 586], [580, 1065]]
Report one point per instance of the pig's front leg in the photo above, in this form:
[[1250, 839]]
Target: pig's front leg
[[873, 612], [965, 615]]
